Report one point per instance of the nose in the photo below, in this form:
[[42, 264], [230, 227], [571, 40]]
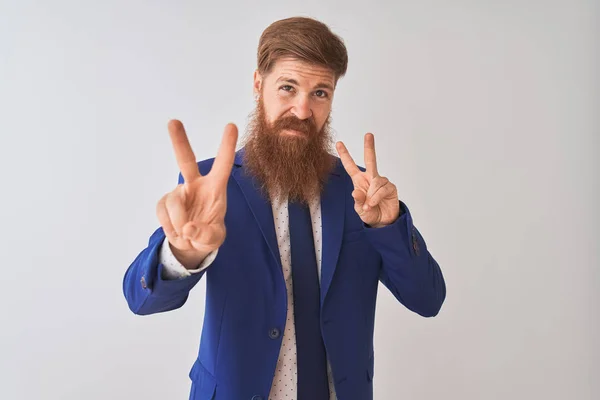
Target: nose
[[301, 108]]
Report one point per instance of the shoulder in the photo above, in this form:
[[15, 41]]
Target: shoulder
[[339, 169], [205, 166]]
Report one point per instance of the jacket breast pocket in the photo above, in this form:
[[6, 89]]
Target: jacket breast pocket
[[204, 383]]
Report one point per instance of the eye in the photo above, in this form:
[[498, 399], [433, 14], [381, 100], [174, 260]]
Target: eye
[[287, 88], [322, 94]]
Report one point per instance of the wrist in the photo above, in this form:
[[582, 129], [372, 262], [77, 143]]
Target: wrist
[[189, 259]]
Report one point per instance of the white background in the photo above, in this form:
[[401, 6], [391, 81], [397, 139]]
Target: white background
[[485, 115]]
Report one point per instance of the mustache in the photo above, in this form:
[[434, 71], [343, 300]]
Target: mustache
[[306, 126]]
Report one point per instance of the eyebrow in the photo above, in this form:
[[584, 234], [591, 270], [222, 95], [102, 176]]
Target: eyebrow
[[319, 85]]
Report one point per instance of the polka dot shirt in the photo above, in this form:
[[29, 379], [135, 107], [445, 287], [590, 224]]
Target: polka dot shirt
[[285, 379]]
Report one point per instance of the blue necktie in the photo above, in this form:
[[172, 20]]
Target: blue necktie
[[310, 350]]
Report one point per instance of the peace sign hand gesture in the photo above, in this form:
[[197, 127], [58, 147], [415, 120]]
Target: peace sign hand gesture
[[193, 214], [375, 197]]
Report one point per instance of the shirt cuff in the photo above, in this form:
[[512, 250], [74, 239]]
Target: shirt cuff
[[173, 269]]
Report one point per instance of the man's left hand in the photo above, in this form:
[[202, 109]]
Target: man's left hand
[[375, 197]]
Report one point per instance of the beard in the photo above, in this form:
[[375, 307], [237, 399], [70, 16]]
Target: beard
[[288, 165]]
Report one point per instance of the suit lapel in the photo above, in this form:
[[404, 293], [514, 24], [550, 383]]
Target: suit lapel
[[261, 207], [333, 205]]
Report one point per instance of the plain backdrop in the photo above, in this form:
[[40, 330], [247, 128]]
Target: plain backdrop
[[485, 115]]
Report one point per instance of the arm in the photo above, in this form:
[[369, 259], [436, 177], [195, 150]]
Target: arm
[[408, 270], [151, 287], [155, 282]]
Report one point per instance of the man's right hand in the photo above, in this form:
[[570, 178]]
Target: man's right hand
[[193, 214]]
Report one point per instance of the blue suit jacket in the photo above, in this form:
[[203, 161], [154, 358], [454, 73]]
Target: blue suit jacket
[[246, 299]]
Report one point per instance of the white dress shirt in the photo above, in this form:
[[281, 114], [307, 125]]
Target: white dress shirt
[[284, 385]]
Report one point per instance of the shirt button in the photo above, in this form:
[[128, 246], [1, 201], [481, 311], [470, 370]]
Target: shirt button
[[274, 333], [143, 282]]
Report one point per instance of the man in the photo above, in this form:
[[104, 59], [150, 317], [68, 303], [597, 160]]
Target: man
[[293, 240]]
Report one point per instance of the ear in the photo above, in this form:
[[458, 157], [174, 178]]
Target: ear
[[257, 83]]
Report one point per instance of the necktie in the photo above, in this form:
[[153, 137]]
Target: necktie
[[310, 350]]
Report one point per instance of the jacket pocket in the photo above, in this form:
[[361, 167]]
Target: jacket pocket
[[203, 383]]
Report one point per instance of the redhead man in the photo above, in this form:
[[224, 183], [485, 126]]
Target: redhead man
[[292, 239]]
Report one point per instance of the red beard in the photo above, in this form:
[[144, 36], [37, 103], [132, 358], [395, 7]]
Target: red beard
[[286, 165]]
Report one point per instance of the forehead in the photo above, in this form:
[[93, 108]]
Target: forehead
[[302, 72]]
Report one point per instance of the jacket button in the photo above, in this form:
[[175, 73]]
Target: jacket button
[[143, 283], [257, 398], [274, 333]]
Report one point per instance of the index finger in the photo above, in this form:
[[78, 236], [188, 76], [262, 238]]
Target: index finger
[[347, 161], [186, 160], [224, 160], [370, 157]]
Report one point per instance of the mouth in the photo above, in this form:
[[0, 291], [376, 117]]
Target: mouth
[[293, 132]]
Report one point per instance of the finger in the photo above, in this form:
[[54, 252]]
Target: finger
[[377, 183], [226, 155], [201, 238], [191, 231], [370, 157], [347, 161], [381, 194], [176, 209], [186, 160], [164, 220], [359, 197]]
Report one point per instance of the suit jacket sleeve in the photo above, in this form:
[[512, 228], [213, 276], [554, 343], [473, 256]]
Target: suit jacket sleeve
[[408, 270], [145, 289], [148, 287]]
